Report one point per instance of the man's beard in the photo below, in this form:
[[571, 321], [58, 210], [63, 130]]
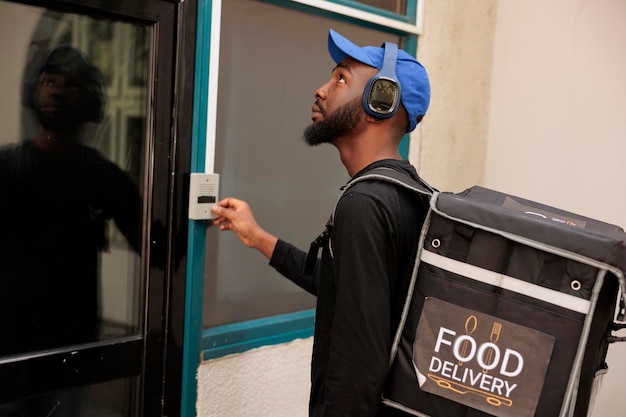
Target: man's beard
[[59, 121], [335, 125]]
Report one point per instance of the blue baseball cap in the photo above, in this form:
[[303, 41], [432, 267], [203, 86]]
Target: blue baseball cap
[[414, 84]]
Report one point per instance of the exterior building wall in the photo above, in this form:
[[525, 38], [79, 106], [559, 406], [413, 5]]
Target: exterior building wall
[[449, 146]]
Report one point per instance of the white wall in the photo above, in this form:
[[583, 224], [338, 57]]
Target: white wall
[[558, 108], [558, 120]]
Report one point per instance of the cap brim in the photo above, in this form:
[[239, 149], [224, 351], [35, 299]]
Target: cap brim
[[340, 48]]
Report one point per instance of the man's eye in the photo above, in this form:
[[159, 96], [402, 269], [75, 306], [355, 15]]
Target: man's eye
[[341, 79]]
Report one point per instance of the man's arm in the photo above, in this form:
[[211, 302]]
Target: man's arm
[[118, 194], [235, 215]]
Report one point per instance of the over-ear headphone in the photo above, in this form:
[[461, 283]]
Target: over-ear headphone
[[381, 97]]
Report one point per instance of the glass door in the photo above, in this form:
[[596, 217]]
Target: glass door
[[86, 214]]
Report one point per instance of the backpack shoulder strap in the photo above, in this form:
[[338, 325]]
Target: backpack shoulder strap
[[397, 177]]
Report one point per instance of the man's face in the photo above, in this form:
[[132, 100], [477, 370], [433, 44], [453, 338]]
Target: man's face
[[59, 102], [338, 109]]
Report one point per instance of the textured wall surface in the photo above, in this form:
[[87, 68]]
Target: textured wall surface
[[264, 382], [449, 146]]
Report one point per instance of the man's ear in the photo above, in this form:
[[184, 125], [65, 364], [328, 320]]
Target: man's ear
[[372, 119]]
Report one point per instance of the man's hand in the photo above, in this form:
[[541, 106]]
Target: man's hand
[[235, 215]]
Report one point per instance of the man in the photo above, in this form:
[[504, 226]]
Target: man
[[362, 278]]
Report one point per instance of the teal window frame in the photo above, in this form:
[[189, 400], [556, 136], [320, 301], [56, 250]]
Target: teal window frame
[[243, 336], [205, 344]]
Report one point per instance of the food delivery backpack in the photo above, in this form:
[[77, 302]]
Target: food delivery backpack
[[511, 307]]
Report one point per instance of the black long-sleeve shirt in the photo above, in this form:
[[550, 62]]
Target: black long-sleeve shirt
[[361, 284]]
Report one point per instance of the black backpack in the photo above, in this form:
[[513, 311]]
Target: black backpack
[[511, 307]]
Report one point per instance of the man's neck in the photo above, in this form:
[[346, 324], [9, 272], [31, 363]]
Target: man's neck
[[358, 151], [50, 141]]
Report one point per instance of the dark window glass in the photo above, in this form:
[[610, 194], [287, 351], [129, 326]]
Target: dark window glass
[[271, 61]]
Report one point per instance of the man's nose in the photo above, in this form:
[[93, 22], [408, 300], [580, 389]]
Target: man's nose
[[57, 88], [320, 92]]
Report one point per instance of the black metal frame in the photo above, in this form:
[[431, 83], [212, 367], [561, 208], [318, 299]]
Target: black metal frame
[[156, 355]]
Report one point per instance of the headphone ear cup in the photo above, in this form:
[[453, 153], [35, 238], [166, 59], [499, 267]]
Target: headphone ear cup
[[381, 96]]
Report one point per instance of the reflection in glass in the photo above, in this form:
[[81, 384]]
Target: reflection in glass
[[73, 117], [70, 179]]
